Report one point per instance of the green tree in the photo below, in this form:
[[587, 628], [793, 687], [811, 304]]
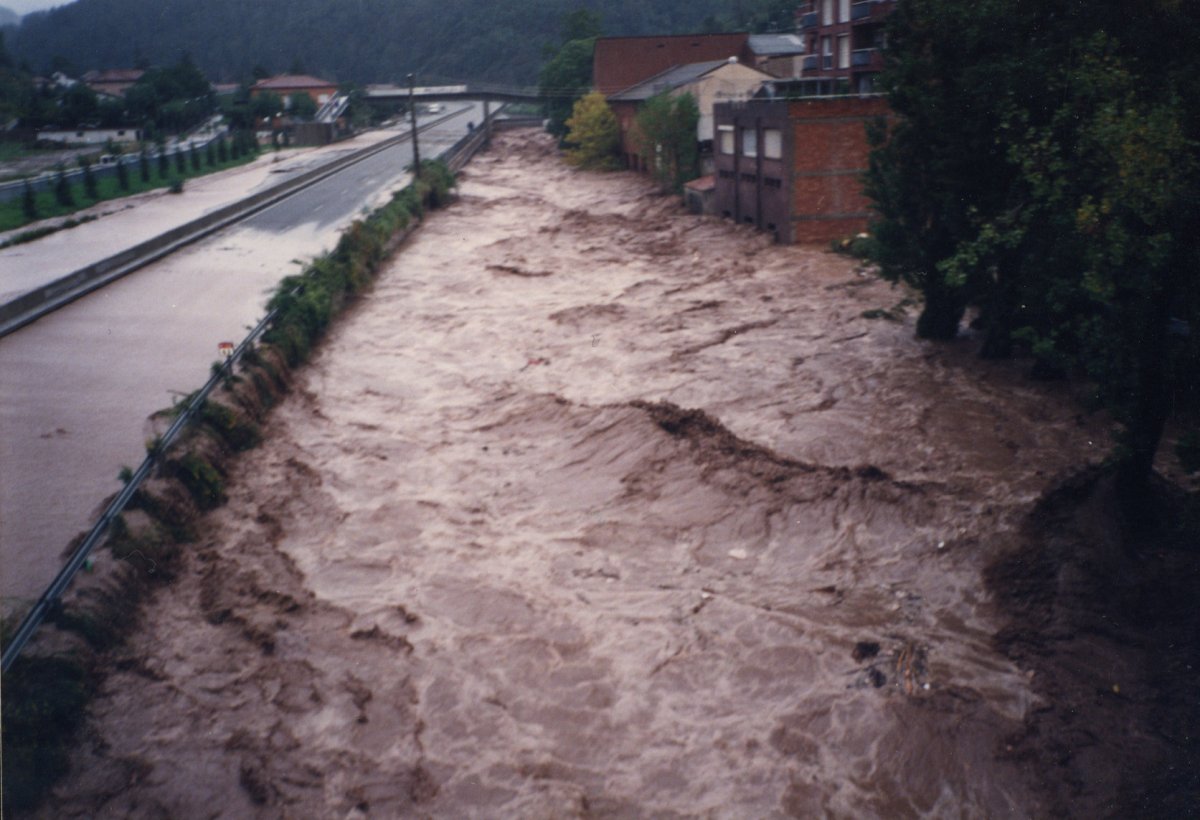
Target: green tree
[[78, 105], [940, 165], [303, 107], [122, 175], [581, 24], [593, 136], [89, 179], [266, 105], [29, 202], [565, 78], [1059, 194], [666, 135], [62, 189]]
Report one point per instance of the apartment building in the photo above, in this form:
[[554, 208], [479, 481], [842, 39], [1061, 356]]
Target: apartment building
[[844, 42], [793, 167]]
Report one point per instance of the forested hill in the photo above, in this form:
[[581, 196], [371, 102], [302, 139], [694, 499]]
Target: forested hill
[[345, 40]]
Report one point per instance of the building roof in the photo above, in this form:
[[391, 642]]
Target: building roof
[[776, 45], [293, 82], [674, 77], [114, 75], [619, 63]]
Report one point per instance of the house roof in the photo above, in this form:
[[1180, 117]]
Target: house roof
[[286, 82], [776, 45], [621, 62], [674, 77], [114, 75]]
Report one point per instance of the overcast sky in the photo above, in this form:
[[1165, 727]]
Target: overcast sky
[[26, 6]]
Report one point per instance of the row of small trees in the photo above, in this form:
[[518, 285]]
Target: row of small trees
[[587, 127], [1050, 177], [665, 135], [169, 167]]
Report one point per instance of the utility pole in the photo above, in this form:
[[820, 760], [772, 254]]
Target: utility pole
[[412, 111]]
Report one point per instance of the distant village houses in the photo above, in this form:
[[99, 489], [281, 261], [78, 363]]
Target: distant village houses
[[288, 86], [113, 82]]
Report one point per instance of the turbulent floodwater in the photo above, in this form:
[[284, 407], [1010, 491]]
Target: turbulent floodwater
[[595, 508]]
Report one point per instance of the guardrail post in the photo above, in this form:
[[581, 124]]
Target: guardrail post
[[487, 123]]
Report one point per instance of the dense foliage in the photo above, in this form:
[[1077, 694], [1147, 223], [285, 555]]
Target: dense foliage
[[349, 40], [594, 137], [171, 98], [666, 137], [1043, 168]]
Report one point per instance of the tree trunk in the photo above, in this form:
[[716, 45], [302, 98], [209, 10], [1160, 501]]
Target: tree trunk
[[942, 313], [1147, 416]]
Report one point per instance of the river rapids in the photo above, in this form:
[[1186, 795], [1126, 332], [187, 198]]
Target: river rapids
[[595, 508]]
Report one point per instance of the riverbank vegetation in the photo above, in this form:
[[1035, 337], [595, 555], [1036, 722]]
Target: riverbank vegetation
[[1048, 182], [49, 687]]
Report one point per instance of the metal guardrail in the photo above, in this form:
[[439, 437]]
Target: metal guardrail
[[40, 301], [45, 604], [456, 156]]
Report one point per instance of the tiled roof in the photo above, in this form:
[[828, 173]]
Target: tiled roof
[[289, 81]]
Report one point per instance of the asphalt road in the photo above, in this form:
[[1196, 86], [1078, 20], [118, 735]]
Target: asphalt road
[[78, 386]]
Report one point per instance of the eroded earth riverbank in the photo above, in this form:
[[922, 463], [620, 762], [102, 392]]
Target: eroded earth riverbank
[[595, 508]]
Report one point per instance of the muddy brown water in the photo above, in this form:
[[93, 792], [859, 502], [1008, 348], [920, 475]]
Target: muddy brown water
[[596, 508]]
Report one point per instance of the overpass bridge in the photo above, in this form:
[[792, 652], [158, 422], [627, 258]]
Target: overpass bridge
[[475, 92]]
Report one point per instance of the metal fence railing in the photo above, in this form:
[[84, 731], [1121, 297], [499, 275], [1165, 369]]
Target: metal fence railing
[[58, 586], [455, 156]]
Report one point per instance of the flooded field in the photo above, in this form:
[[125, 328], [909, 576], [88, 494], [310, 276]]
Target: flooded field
[[596, 508]]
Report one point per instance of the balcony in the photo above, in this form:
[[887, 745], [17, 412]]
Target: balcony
[[865, 57], [809, 20], [869, 11]]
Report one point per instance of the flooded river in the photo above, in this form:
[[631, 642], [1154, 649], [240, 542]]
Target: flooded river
[[596, 508]]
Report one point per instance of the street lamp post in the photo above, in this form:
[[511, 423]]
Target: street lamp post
[[412, 111]]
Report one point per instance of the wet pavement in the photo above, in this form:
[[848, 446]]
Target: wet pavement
[[77, 386], [596, 508]]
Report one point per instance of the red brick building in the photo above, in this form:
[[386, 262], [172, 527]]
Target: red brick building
[[793, 167], [287, 86], [844, 42], [619, 63]]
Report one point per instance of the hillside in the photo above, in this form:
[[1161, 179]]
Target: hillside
[[345, 40]]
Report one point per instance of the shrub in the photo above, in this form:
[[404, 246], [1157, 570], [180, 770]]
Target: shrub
[[203, 481]]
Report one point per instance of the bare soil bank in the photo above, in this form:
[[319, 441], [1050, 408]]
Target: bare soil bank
[[593, 508]]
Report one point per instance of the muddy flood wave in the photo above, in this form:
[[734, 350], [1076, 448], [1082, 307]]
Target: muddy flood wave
[[595, 508]]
